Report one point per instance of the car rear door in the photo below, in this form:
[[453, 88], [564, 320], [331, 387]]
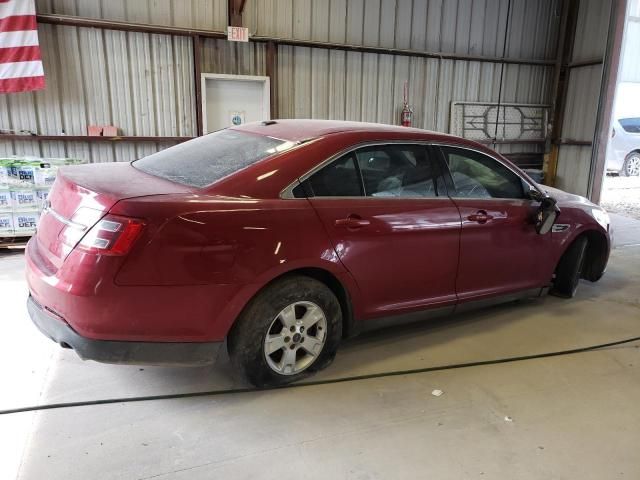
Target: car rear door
[[500, 250], [392, 225]]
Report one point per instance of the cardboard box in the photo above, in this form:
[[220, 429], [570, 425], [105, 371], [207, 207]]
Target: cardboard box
[[45, 175], [26, 173], [41, 197], [5, 200], [25, 223], [110, 131], [4, 173], [24, 199], [94, 130], [6, 224], [13, 168]]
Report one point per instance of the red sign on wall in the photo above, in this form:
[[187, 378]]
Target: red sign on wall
[[237, 34]]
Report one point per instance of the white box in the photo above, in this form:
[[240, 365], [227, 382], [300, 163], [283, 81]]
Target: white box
[[25, 223], [41, 197], [6, 224], [24, 199], [45, 176], [25, 173], [5, 200], [4, 175]]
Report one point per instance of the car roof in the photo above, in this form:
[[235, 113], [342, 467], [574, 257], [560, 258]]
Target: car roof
[[296, 130], [345, 134]]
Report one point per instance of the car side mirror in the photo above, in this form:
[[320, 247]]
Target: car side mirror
[[536, 195], [547, 214]]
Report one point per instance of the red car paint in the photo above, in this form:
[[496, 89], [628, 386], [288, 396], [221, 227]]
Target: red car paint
[[204, 253]]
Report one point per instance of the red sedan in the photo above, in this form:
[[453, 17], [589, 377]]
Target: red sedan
[[281, 238]]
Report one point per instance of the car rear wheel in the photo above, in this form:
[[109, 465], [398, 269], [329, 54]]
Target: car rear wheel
[[631, 167], [569, 269], [290, 330]]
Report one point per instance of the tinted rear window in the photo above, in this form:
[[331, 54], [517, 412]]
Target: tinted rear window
[[204, 160], [631, 125]]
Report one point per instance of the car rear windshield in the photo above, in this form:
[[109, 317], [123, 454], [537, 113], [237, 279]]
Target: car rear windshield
[[202, 161], [631, 125]]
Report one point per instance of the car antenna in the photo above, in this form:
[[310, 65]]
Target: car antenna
[[268, 122]]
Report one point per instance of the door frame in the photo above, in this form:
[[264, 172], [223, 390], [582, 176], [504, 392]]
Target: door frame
[[266, 88]]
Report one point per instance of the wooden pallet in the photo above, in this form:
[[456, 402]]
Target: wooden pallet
[[14, 242]]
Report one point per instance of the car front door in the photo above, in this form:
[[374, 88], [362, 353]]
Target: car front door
[[500, 251], [392, 225]]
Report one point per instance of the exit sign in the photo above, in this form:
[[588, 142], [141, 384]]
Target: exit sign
[[237, 34]]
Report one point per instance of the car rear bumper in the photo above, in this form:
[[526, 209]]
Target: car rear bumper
[[123, 352], [83, 293]]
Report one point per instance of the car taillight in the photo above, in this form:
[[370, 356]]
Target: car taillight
[[113, 235]]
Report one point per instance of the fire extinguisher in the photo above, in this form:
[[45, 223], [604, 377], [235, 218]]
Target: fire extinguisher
[[407, 113]]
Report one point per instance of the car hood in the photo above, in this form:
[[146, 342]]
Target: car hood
[[569, 201], [565, 198]]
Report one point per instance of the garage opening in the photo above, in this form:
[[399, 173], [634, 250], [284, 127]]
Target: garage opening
[[621, 185]]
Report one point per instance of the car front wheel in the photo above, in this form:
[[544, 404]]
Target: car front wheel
[[290, 330], [631, 167], [569, 269]]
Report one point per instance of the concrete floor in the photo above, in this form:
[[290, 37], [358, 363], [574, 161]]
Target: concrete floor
[[563, 417]]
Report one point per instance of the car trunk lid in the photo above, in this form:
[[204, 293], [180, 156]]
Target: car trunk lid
[[82, 195]]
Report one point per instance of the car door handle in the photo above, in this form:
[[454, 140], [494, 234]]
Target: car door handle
[[352, 222], [480, 216]]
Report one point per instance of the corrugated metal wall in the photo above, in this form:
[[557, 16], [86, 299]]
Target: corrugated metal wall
[[368, 87], [583, 96], [319, 83], [202, 14], [140, 82], [144, 83], [451, 26], [233, 58]]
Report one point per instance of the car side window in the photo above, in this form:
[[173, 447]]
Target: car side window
[[631, 125], [338, 179], [476, 175], [399, 170]]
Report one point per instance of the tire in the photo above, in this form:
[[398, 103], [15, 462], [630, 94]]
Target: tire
[[631, 167], [289, 312], [569, 269]]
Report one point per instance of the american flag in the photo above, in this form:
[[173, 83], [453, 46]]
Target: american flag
[[20, 60]]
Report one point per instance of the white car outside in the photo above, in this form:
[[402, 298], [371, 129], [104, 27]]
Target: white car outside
[[624, 147]]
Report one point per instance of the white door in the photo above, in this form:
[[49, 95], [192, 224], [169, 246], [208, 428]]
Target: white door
[[233, 100]]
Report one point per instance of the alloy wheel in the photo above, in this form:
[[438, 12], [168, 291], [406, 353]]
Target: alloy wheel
[[632, 166], [295, 338]]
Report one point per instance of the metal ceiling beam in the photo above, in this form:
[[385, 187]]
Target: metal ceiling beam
[[74, 21], [585, 63]]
